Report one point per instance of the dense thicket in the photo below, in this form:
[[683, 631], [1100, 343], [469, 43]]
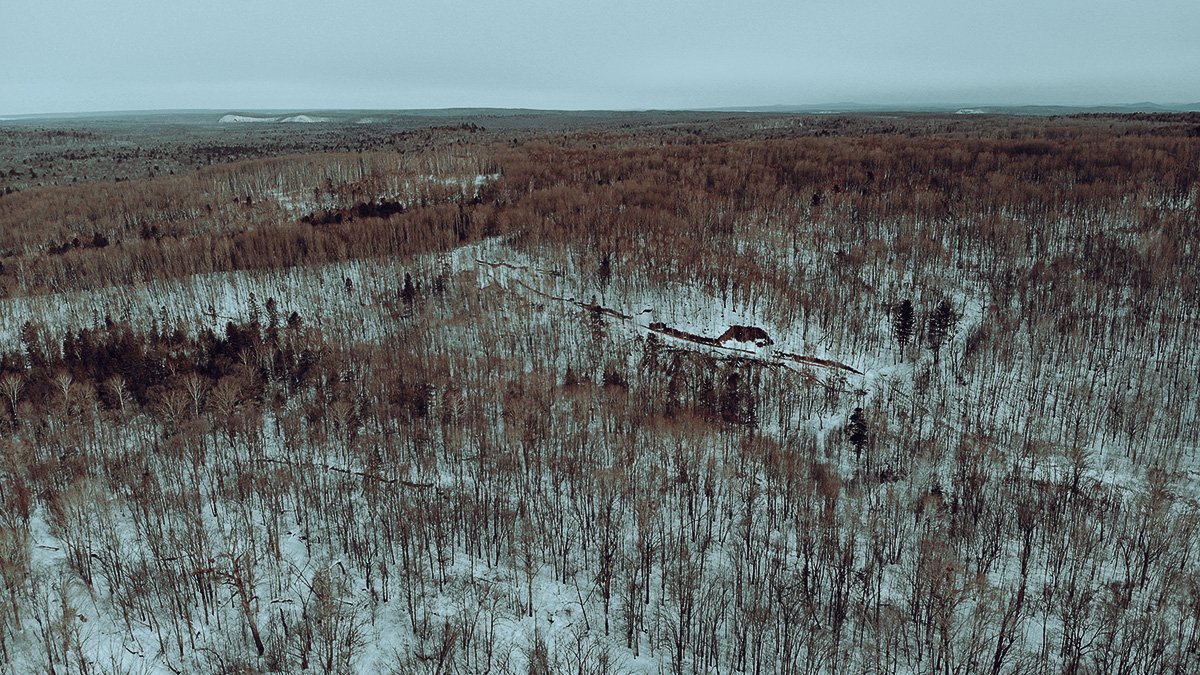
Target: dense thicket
[[968, 445]]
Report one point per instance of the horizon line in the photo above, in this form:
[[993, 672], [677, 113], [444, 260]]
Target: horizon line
[[1193, 106]]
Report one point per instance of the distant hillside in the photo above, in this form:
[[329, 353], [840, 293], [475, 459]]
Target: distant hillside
[[829, 108]]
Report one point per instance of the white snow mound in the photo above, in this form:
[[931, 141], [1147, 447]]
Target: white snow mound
[[306, 119], [242, 119]]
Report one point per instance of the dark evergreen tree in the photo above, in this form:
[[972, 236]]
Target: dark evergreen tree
[[613, 377], [272, 320], [31, 340], [706, 395], [940, 327], [409, 293], [903, 324], [731, 399], [650, 352], [570, 378], [253, 310], [604, 273], [856, 431], [596, 324]]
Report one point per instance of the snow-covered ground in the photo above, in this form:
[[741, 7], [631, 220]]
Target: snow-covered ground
[[244, 119], [232, 118], [493, 608]]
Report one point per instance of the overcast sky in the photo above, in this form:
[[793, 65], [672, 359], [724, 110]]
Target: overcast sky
[[90, 55]]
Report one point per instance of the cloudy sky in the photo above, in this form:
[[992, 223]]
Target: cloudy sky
[[85, 55]]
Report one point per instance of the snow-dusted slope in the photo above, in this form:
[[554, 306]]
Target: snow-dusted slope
[[232, 118], [304, 119], [244, 119]]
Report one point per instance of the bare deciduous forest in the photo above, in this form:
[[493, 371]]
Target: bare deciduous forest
[[608, 393]]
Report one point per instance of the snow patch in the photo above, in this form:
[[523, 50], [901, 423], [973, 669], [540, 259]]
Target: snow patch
[[305, 119], [244, 119]]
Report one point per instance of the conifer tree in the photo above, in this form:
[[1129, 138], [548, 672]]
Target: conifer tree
[[941, 326], [902, 324], [856, 431]]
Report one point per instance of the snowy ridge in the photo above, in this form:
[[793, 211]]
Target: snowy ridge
[[289, 119], [244, 119], [305, 119]]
